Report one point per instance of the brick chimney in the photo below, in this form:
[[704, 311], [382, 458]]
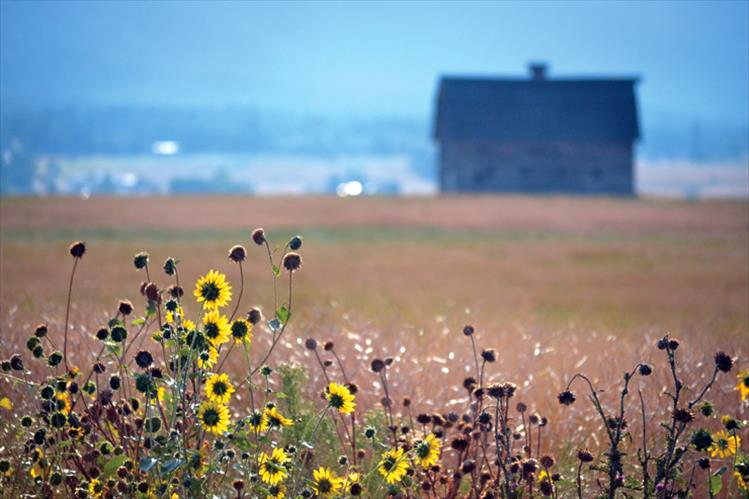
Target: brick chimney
[[538, 70]]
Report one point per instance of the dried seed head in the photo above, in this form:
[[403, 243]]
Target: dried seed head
[[143, 359], [510, 389], [547, 461], [585, 455], [534, 418], [176, 291], [489, 355], [78, 249], [683, 416], [468, 330], [40, 331], [310, 344], [328, 346], [258, 236], [723, 362], [377, 365], [406, 401], [496, 390], [254, 316], [645, 370], [521, 407], [237, 253], [295, 243], [125, 307], [566, 398], [292, 261], [140, 260], [152, 292]]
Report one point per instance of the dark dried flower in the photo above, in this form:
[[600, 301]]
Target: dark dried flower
[[16, 362], [489, 355], [704, 463], [585, 455], [78, 249], [468, 330], [328, 346], [459, 444], [352, 387], [377, 365], [258, 236], [295, 243], [254, 316], [144, 359], [673, 344], [701, 439], [175, 291], [152, 292], [496, 390], [423, 418], [534, 418], [40, 331], [683, 416], [510, 389], [547, 461], [237, 253], [566, 398], [521, 407], [125, 307], [707, 409], [468, 466], [170, 266], [723, 362], [310, 344], [645, 370], [140, 260], [406, 401], [547, 489], [292, 261], [469, 383]]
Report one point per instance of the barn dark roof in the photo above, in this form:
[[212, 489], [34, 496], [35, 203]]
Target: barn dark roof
[[571, 110]]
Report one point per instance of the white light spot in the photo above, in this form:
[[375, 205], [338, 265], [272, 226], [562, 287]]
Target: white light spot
[[165, 147]]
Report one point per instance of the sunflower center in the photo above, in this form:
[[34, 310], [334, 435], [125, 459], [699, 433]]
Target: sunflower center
[[423, 450], [210, 291], [210, 417], [274, 421], [238, 330], [219, 388], [746, 381], [211, 330], [388, 463], [256, 419], [324, 485], [336, 401]]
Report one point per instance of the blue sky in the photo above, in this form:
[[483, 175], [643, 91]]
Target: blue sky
[[367, 58]]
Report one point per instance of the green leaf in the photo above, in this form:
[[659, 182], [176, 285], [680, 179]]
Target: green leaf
[[283, 314], [139, 321], [147, 463], [114, 322], [113, 465], [281, 395], [276, 270], [150, 309], [715, 484], [170, 466]]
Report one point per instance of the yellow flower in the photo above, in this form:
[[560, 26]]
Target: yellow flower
[[6, 404], [325, 482], [64, 397], [188, 325], [95, 488], [741, 482], [276, 419], [216, 328], [352, 478], [428, 451], [258, 421], [210, 361], [219, 389], [393, 465], [724, 445], [161, 394], [241, 330], [743, 384], [339, 397], [272, 470], [213, 417], [543, 476], [213, 290], [277, 491], [172, 316]]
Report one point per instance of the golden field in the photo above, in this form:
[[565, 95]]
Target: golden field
[[556, 285]]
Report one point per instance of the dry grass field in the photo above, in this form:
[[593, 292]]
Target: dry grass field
[[556, 285]]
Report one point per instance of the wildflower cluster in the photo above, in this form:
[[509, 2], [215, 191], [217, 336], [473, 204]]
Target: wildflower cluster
[[156, 414]]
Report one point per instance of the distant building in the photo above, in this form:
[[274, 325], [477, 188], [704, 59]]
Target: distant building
[[536, 135]]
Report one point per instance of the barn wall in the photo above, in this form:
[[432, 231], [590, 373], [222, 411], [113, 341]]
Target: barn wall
[[537, 168]]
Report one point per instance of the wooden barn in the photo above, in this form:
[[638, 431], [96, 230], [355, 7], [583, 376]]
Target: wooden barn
[[537, 134]]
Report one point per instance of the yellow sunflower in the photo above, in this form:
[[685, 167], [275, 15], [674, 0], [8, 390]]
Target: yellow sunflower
[[352, 478], [211, 358], [393, 465], [171, 317], [64, 402], [724, 444], [277, 491], [743, 384], [213, 290], [241, 331], [213, 417], [741, 481], [325, 483], [216, 328], [188, 325], [257, 421], [219, 389], [95, 488], [428, 451], [340, 398], [272, 469], [276, 419]]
